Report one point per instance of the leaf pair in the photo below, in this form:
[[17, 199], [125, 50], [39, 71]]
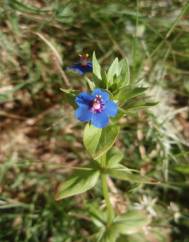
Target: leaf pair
[[86, 178]]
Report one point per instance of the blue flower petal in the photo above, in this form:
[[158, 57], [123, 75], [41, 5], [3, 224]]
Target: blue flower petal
[[111, 108], [98, 91], [84, 99], [83, 113], [81, 69], [100, 120]]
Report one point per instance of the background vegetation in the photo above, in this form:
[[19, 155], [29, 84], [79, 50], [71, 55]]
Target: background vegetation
[[41, 140]]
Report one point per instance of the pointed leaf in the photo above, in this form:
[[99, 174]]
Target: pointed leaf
[[138, 104], [96, 66], [101, 83], [109, 234], [81, 181], [126, 93], [114, 156], [104, 83], [99, 141], [113, 70], [124, 173], [131, 222], [124, 73], [99, 217], [90, 83]]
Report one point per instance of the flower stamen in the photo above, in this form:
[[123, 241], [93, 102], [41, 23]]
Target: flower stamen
[[97, 105]]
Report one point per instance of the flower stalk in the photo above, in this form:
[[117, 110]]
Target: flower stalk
[[110, 210], [107, 199]]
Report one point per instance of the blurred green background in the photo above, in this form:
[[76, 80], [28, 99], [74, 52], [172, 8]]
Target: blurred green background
[[40, 139]]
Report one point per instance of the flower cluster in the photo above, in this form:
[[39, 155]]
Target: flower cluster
[[96, 108]]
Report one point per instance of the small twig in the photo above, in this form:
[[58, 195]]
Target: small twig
[[61, 71], [12, 116], [57, 59]]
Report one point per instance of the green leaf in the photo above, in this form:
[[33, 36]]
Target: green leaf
[[96, 66], [98, 216], [131, 222], [90, 83], [138, 104], [81, 181], [124, 73], [104, 82], [99, 141], [135, 92], [123, 173], [98, 82], [113, 70], [114, 156], [109, 234], [126, 93]]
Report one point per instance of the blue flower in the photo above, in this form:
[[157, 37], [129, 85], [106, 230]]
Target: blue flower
[[95, 108], [83, 66]]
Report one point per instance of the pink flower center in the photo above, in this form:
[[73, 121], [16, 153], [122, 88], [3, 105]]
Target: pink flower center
[[97, 105]]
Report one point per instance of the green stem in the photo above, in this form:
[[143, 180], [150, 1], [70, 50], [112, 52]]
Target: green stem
[[107, 199]]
